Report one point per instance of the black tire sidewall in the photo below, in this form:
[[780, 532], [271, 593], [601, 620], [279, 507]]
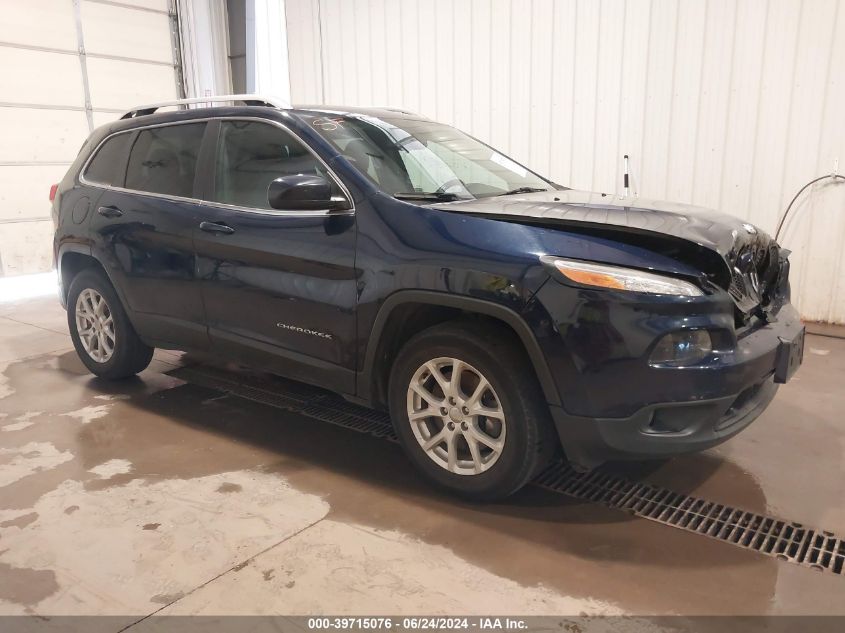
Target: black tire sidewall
[[124, 333], [508, 473]]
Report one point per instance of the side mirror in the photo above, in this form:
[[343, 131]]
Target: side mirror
[[303, 193]]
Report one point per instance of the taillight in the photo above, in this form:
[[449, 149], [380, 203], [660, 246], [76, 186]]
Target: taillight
[[53, 190]]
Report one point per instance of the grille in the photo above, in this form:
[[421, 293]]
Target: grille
[[737, 289], [785, 540], [757, 261]]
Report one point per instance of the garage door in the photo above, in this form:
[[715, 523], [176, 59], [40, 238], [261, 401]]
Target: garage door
[[68, 66]]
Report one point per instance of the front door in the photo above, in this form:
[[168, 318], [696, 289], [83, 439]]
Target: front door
[[144, 225], [279, 287]]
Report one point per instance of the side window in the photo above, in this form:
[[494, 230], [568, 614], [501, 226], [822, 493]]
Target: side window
[[107, 166], [251, 155], [164, 159]]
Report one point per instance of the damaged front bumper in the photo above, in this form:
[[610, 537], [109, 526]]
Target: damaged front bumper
[[617, 406]]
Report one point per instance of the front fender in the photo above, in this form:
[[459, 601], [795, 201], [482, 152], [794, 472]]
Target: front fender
[[469, 304]]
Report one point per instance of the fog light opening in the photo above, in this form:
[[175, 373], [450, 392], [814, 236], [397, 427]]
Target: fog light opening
[[684, 347]]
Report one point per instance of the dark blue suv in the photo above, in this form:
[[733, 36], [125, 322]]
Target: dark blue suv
[[500, 318]]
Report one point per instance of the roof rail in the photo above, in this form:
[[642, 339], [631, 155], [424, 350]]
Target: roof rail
[[251, 100]]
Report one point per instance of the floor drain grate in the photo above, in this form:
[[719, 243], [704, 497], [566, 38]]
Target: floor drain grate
[[784, 540], [781, 539]]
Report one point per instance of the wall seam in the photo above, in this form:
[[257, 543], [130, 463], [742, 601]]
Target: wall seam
[[752, 171], [728, 112], [83, 65], [698, 104], [572, 93], [176, 47], [596, 100], [645, 93], [832, 296], [551, 91], [666, 176], [789, 106], [617, 180]]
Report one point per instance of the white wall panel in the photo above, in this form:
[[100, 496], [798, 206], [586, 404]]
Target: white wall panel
[[154, 5], [719, 103], [26, 247], [24, 73], [101, 118], [43, 121], [687, 85], [38, 135], [47, 23], [562, 79], [306, 74], [140, 83], [24, 191], [148, 39], [607, 165]]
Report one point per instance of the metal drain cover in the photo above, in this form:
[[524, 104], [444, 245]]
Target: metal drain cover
[[784, 540]]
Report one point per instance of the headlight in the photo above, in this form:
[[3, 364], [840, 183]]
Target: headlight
[[617, 278], [682, 348]]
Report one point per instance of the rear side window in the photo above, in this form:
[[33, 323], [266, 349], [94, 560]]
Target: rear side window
[[164, 160], [107, 166], [251, 155]]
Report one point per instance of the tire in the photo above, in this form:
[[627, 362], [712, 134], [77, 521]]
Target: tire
[[524, 437], [128, 354]]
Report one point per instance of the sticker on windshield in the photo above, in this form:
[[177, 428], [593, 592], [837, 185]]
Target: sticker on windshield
[[508, 164], [326, 124]]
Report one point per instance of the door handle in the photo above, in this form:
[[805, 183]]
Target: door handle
[[110, 212], [214, 227]]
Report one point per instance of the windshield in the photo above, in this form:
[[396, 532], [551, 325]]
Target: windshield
[[410, 158]]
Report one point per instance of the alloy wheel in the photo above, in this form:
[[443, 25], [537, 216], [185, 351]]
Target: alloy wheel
[[456, 416], [95, 325]]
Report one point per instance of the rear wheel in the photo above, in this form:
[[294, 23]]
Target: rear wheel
[[468, 410], [101, 332]]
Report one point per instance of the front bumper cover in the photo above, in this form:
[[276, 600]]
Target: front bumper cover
[[692, 423]]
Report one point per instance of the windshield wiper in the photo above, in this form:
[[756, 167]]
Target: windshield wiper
[[522, 190], [427, 195]]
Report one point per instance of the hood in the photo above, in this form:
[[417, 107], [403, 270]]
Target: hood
[[726, 249]]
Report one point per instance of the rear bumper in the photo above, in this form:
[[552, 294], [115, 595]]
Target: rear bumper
[[708, 405]]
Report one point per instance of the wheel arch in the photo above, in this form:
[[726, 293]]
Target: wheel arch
[[430, 308], [72, 260]]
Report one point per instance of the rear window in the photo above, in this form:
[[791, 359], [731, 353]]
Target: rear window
[[164, 160], [107, 166]]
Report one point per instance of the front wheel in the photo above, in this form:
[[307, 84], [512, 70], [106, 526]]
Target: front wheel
[[103, 337], [468, 410]]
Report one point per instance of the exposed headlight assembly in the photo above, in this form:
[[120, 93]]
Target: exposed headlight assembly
[[618, 278], [682, 348]]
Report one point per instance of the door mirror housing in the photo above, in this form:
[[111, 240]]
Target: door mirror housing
[[302, 192]]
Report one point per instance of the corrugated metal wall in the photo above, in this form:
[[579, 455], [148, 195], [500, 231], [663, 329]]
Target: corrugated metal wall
[[724, 103]]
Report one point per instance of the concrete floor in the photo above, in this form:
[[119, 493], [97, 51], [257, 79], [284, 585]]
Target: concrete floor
[[155, 495]]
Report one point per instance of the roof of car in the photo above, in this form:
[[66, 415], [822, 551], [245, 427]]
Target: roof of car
[[368, 111], [253, 104], [251, 101]]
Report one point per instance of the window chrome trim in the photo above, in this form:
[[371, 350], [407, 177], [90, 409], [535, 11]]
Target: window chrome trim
[[305, 213]]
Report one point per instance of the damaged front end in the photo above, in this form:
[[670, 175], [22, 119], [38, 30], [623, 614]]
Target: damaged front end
[[754, 271], [728, 253], [666, 329], [759, 283]]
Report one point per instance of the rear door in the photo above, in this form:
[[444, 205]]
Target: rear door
[[142, 229], [279, 287]]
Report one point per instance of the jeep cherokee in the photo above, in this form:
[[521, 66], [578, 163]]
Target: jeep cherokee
[[499, 317]]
